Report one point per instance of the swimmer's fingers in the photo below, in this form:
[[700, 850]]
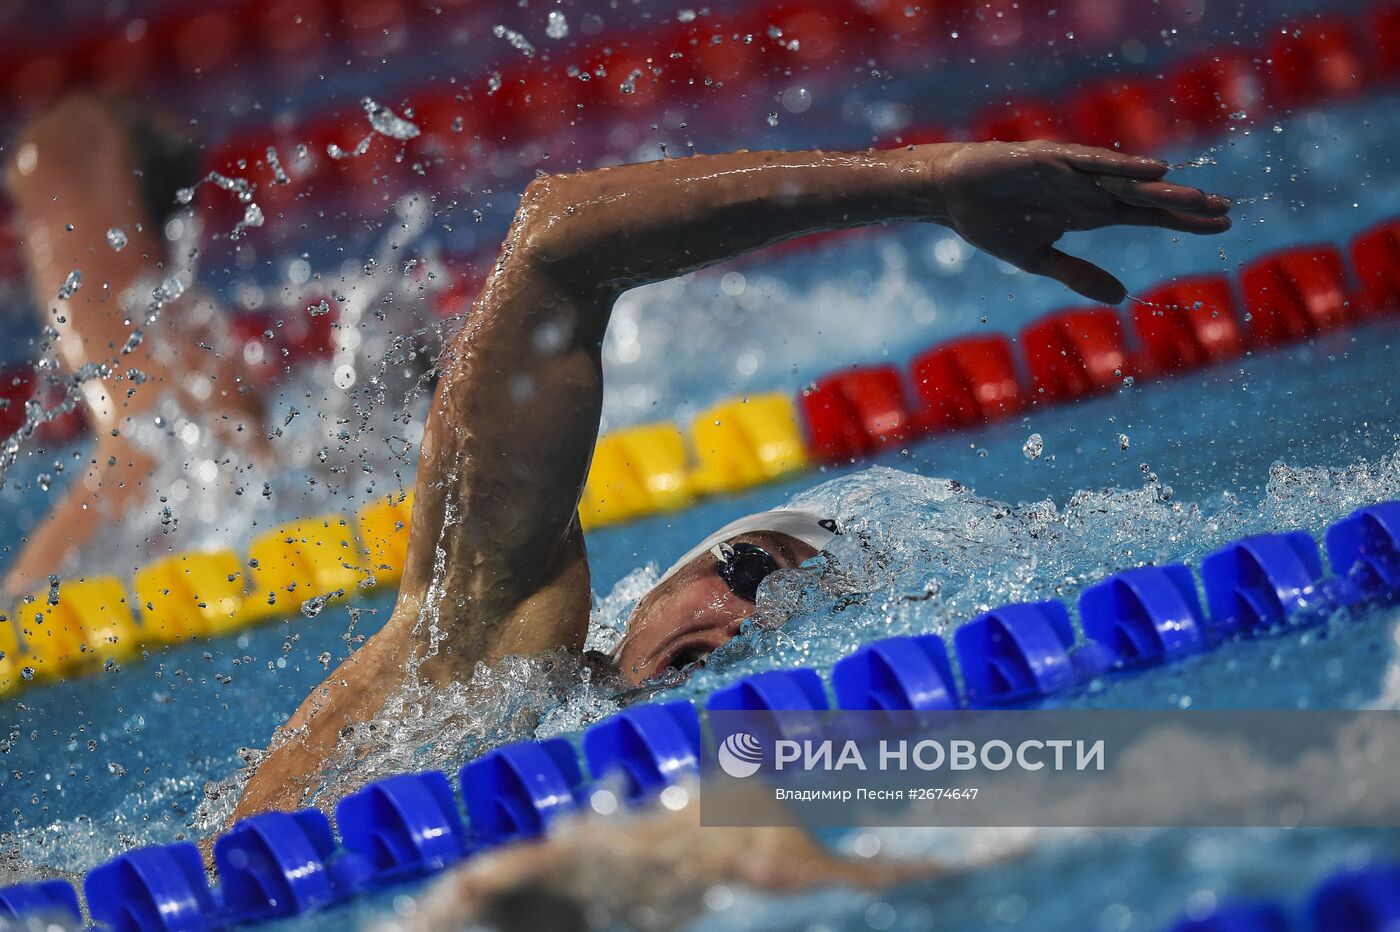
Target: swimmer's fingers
[[1164, 194], [1178, 220], [1077, 274], [1108, 162]]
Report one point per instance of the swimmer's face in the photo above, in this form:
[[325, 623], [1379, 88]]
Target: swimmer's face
[[695, 611]]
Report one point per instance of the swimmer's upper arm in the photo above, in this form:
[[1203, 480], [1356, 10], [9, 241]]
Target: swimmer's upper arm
[[495, 546]]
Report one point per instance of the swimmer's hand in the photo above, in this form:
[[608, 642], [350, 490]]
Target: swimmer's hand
[[1015, 201]]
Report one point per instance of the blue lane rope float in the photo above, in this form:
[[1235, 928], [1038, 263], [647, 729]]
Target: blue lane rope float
[[403, 827], [650, 746], [1261, 580], [1366, 900], [1368, 544], [158, 887], [280, 864], [1144, 616], [53, 900], [910, 674], [516, 791], [1016, 652], [408, 826], [1363, 899]]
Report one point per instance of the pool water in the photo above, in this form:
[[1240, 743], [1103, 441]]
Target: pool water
[[1163, 470]]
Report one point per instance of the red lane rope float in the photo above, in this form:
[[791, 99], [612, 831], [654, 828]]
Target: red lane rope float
[[633, 70], [1375, 255], [966, 381], [1320, 61], [1071, 354], [1296, 293], [1188, 323], [855, 413], [204, 40]]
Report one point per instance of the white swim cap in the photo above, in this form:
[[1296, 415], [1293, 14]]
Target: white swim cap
[[810, 527]]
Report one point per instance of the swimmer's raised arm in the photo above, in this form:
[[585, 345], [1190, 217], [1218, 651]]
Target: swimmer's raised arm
[[495, 549], [496, 562], [618, 227]]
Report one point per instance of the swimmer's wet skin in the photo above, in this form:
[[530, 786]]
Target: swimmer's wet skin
[[496, 560]]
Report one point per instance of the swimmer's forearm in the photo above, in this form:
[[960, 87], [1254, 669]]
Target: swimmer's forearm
[[623, 226]]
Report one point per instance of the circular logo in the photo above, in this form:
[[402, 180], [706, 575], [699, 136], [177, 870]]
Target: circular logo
[[740, 755]]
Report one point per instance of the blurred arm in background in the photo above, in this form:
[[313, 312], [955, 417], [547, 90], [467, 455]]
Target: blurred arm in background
[[87, 166]]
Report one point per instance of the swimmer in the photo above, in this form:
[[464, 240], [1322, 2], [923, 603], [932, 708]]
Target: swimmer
[[496, 562], [85, 167], [655, 866]]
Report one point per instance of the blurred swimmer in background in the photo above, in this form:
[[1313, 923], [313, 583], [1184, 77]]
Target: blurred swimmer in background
[[94, 181]]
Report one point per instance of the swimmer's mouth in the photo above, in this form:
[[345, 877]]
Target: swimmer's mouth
[[688, 658]]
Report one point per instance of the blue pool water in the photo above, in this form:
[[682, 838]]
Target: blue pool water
[[1289, 439]]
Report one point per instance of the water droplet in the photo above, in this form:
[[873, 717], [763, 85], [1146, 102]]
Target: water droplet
[[629, 86], [116, 238], [1122, 441], [315, 605], [1033, 447], [279, 174], [558, 26], [169, 290], [71, 284], [797, 99], [772, 119], [516, 40], [388, 123]]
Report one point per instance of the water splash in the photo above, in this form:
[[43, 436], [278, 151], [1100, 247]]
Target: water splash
[[516, 40], [252, 218], [383, 122], [558, 25], [388, 123], [279, 174], [70, 285]]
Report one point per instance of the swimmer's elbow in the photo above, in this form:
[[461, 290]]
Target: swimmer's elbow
[[541, 220], [553, 236]]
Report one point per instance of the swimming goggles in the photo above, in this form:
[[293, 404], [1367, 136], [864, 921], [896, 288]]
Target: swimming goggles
[[743, 567]]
